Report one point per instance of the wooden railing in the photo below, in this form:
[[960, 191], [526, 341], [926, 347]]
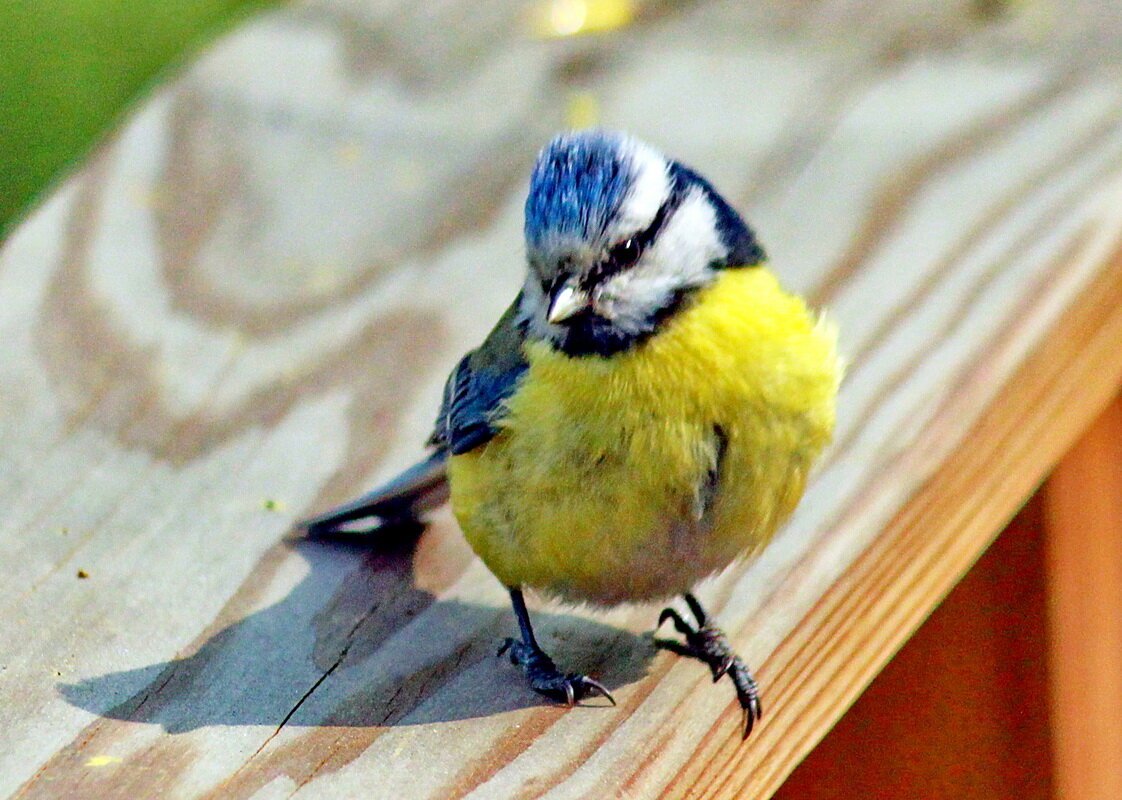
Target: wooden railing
[[242, 310]]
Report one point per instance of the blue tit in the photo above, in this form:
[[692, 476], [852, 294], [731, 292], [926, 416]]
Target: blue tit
[[644, 414]]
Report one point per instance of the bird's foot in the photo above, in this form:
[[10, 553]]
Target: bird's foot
[[708, 644], [545, 679]]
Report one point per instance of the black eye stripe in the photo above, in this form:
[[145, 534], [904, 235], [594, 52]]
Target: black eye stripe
[[640, 241], [644, 237], [551, 286]]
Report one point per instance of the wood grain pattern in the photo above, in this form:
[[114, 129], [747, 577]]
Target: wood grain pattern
[[960, 710], [244, 309]]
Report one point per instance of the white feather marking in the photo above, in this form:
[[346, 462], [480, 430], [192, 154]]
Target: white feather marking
[[649, 189], [678, 259]]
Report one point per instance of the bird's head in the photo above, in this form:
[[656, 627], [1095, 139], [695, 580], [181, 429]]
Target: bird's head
[[618, 238]]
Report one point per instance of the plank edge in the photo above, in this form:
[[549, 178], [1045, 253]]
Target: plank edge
[[1076, 368]]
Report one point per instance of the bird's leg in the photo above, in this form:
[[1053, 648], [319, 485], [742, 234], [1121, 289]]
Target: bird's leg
[[708, 644], [544, 677]]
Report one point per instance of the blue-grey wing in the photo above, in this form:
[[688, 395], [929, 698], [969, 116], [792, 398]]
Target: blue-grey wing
[[469, 413], [477, 388], [406, 497]]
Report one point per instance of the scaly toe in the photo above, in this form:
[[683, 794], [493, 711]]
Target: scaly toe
[[747, 693], [570, 688], [548, 681], [708, 644]]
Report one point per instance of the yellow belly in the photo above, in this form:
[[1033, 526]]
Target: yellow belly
[[590, 491]]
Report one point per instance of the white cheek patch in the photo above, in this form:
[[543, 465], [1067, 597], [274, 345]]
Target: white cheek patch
[[688, 243], [679, 259], [649, 189]]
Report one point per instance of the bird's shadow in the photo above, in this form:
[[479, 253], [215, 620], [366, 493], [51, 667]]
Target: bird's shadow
[[374, 654]]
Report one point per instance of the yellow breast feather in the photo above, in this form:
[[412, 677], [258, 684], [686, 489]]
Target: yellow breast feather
[[633, 476]]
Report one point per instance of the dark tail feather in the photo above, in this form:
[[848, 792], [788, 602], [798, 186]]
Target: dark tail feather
[[420, 488]]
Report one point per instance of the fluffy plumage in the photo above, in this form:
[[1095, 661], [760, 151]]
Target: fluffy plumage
[[645, 412], [590, 489]]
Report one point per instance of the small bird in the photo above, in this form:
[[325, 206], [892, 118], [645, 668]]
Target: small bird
[[644, 414]]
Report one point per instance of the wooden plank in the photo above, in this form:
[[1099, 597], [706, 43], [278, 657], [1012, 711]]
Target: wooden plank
[[1084, 517], [960, 710], [240, 314], [860, 621]]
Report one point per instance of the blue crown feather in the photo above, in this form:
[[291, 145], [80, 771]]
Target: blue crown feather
[[577, 185]]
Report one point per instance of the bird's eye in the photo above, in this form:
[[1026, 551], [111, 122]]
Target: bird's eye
[[625, 253]]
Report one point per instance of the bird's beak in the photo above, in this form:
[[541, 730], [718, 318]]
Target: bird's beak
[[567, 303]]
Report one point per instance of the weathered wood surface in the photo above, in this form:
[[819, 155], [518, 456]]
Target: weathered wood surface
[[243, 311]]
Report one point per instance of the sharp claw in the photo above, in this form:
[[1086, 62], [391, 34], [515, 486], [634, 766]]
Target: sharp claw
[[599, 687], [709, 645], [545, 679], [753, 710]]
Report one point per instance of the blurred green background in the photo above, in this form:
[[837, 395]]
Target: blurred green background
[[69, 68]]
